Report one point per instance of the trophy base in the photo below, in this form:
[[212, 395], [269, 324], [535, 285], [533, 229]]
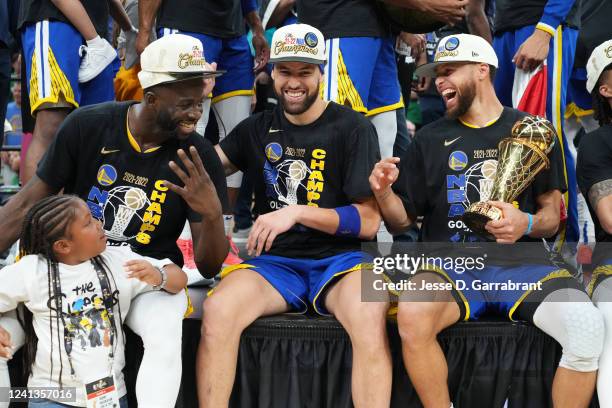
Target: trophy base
[[477, 215]]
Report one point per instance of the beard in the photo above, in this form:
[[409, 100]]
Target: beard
[[165, 122], [297, 109], [465, 97]]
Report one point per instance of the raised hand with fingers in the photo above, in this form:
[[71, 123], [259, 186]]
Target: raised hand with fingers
[[449, 11], [143, 271], [384, 174], [198, 190]]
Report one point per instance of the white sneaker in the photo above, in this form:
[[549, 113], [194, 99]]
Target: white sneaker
[[95, 59]]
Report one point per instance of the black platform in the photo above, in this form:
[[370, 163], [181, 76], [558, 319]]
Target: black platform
[[298, 361]]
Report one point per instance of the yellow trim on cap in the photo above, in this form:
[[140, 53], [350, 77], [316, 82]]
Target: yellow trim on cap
[[227, 95]]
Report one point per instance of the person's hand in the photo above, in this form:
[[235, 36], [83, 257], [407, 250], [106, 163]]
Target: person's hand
[[14, 161], [143, 271], [198, 190], [268, 226], [448, 11], [384, 174], [142, 40], [209, 83], [262, 51], [6, 349], [416, 42], [533, 51], [511, 227]]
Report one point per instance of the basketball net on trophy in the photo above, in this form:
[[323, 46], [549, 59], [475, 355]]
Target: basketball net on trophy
[[521, 157], [297, 172], [134, 200]]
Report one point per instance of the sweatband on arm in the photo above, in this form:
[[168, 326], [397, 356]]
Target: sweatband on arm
[[349, 224]]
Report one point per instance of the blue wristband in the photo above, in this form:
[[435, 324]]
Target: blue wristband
[[349, 224], [530, 224]]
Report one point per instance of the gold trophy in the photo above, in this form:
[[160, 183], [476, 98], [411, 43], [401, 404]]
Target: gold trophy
[[521, 156]]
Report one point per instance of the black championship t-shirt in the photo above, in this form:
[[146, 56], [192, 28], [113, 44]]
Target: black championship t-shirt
[[92, 158], [324, 164], [33, 11], [594, 29], [594, 166], [513, 14], [450, 165], [219, 18], [343, 18]]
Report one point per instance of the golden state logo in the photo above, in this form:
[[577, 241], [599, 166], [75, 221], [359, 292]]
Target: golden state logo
[[457, 160], [107, 175], [311, 40], [274, 151], [451, 44]]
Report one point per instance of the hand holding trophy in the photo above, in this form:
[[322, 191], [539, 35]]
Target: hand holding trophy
[[521, 157]]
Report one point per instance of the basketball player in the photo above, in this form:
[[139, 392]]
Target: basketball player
[[595, 180], [308, 161], [220, 27], [121, 158], [446, 168]]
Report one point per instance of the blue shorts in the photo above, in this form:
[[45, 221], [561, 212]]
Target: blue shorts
[[560, 62], [51, 52], [230, 54], [482, 292], [601, 273], [361, 72], [303, 282]]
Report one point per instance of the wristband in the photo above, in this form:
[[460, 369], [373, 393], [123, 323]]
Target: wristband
[[164, 281], [529, 224], [349, 224]]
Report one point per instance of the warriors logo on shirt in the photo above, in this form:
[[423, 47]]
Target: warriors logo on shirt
[[107, 175]]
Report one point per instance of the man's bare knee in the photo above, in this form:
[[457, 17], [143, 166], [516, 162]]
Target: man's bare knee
[[221, 317], [419, 322]]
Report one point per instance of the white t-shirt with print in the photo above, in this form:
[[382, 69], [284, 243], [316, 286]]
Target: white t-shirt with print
[[84, 315]]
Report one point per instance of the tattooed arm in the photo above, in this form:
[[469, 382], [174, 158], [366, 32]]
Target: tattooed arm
[[600, 197]]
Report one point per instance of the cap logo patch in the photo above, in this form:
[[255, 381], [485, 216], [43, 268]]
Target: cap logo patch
[[290, 44], [311, 40], [195, 58], [608, 52], [451, 44]]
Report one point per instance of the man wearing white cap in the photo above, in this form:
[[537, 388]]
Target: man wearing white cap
[[309, 162], [594, 171], [121, 158], [451, 164]]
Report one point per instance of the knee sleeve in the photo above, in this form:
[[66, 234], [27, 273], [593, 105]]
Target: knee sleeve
[[386, 129], [577, 325]]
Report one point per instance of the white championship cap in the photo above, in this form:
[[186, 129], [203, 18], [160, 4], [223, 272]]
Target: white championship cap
[[171, 58], [600, 58], [459, 48], [298, 43]]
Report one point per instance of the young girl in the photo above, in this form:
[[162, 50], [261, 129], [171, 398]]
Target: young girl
[[77, 292], [99, 53]]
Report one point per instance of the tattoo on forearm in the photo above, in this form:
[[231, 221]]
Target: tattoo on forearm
[[600, 190]]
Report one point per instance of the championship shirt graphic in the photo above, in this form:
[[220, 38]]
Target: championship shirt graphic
[[286, 179], [124, 212]]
